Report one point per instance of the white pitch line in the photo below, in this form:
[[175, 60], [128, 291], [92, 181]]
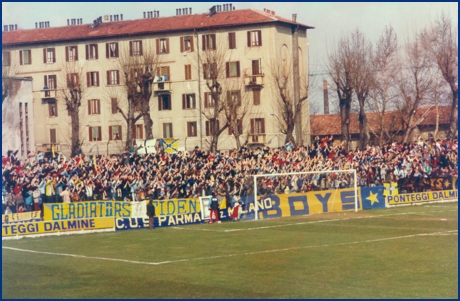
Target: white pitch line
[[233, 255]]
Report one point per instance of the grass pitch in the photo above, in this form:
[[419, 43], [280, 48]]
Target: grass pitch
[[406, 252]]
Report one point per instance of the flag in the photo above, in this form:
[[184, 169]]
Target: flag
[[390, 189], [223, 204], [372, 197], [52, 150], [170, 146]]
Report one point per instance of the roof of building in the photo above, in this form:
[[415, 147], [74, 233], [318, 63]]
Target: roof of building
[[324, 125], [143, 26]]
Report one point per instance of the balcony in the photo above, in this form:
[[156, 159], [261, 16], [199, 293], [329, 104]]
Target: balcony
[[48, 95], [257, 138], [161, 85], [256, 80]]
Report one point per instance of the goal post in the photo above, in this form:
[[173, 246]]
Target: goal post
[[319, 181]]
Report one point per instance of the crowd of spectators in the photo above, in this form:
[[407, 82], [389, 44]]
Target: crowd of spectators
[[29, 182]]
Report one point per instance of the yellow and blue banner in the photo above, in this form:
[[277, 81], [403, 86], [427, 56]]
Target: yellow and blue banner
[[86, 210], [21, 217], [419, 197], [170, 146], [372, 197], [56, 226]]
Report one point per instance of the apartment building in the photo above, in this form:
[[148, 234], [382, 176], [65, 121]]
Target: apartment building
[[249, 41]]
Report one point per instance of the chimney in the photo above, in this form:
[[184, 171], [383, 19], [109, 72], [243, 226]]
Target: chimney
[[190, 10], [294, 17], [121, 17], [326, 98]]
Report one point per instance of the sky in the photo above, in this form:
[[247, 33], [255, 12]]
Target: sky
[[332, 20]]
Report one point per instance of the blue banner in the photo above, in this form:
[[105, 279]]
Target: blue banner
[[372, 197]]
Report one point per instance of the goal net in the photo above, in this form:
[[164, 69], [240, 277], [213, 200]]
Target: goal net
[[301, 193]]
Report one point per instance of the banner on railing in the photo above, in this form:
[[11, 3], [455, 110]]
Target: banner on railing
[[432, 183], [419, 197], [28, 228], [21, 217], [84, 210]]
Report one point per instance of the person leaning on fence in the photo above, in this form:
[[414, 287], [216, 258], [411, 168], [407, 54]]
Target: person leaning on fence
[[150, 214], [214, 208]]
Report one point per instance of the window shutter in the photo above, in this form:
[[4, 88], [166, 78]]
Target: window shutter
[[97, 79], [140, 48], [252, 126], [88, 79], [107, 55], [160, 106], [191, 43], [207, 128], [30, 56], [20, 57], [56, 108], [45, 81], [227, 69], [118, 77], [99, 133], [66, 53], [119, 133], [158, 45], [229, 40], [130, 48], [44, 55], [98, 105], [262, 121], [203, 41], [193, 101], [167, 45], [229, 96], [238, 69], [89, 106], [260, 37], [97, 56], [110, 133], [213, 39], [239, 97], [249, 39], [141, 132], [76, 53], [183, 101], [116, 53], [206, 99], [52, 135], [87, 51], [114, 106], [256, 94], [108, 77], [204, 71], [49, 110], [54, 55], [181, 44], [255, 67], [168, 74]]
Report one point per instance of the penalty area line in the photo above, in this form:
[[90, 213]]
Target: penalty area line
[[451, 232]]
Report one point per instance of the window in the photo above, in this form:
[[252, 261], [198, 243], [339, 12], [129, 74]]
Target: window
[[211, 126], [71, 53], [113, 77], [25, 57], [232, 69], [257, 128], [164, 73], [208, 100], [192, 129], [135, 48], [168, 130], [115, 132], [91, 52], [188, 72], [50, 82], [164, 102], [186, 44], [256, 70], [188, 101], [209, 42], [92, 79], [162, 46], [239, 127], [6, 58], [254, 38], [94, 107], [95, 133], [138, 131], [52, 109], [256, 96], [231, 40], [49, 55], [72, 80], [111, 50], [210, 71], [234, 97], [114, 104], [52, 135]]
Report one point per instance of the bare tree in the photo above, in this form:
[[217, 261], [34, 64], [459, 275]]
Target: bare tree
[[341, 66], [9, 70], [71, 89], [414, 83], [384, 90], [441, 42], [137, 67], [280, 74]]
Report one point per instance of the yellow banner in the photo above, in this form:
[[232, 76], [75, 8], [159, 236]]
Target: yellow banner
[[84, 210], [21, 217], [177, 206], [422, 197], [57, 226]]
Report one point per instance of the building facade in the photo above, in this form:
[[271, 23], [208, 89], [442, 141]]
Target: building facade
[[249, 43]]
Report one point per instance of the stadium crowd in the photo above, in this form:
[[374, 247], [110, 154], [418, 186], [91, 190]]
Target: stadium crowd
[[28, 182]]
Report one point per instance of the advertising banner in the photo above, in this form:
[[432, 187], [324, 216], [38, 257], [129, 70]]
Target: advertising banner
[[419, 197], [166, 207], [56, 226], [372, 197], [21, 217], [85, 210], [160, 221]]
